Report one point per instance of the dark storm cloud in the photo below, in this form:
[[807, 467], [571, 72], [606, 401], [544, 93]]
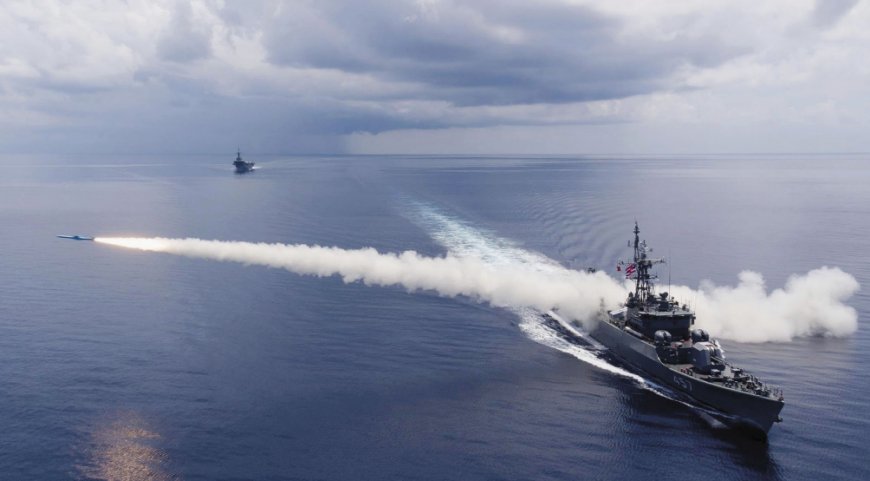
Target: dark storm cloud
[[486, 53]]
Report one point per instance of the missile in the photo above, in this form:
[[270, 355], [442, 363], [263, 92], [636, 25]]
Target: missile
[[76, 237]]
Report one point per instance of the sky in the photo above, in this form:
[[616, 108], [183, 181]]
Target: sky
[[435, 76]]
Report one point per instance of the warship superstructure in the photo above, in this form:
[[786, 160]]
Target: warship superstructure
[[654, 333], [242, 166]]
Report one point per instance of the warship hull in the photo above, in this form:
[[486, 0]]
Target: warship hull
[[745, 410], [244, 167]]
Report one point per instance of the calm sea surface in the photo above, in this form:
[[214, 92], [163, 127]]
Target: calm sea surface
[[119, 364]]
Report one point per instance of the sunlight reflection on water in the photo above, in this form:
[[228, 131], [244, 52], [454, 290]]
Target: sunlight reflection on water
[[122, 450]]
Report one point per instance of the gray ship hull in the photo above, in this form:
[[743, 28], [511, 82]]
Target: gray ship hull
[[746, 410], [244, 167]]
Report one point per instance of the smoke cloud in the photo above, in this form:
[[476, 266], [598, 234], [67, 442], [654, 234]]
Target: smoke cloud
[[808, 305]]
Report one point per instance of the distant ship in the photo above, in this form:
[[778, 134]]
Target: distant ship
[[242, 167], [653, 333]]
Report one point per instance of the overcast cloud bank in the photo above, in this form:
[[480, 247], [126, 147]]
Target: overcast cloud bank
[[392, 75]]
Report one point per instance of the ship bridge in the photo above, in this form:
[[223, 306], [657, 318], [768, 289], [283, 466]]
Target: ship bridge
[[648, 312], [660, 313]]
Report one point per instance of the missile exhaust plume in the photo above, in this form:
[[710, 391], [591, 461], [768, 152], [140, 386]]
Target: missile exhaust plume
[[577, 295], [811, 304]]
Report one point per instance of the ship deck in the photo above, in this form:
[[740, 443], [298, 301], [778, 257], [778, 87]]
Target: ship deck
[[730, 377]]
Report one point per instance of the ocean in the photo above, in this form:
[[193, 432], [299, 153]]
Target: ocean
[[121, 364]]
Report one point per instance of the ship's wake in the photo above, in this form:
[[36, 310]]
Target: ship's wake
[[463, 240], [542, 330]]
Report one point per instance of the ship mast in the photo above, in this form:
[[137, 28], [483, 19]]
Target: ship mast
[[642, 287]]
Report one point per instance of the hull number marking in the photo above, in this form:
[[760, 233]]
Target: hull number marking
[[682, 383]]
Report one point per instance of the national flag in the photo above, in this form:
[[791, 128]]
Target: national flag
[[629, 269]]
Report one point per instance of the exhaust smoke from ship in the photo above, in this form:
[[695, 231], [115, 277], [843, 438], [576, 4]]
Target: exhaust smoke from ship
[[811, 304]]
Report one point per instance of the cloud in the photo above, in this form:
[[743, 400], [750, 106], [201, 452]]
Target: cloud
[[183, 40], [828, 12], [288, 73], [486, 53]]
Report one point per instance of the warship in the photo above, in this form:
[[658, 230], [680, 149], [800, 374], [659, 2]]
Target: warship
[[241, 166], [654, 333]]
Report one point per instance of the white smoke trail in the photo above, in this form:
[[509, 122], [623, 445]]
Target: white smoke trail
[[577, 295], [507, 276]]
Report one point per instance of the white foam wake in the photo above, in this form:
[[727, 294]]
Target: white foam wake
[[463, 240], [532, 325]]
